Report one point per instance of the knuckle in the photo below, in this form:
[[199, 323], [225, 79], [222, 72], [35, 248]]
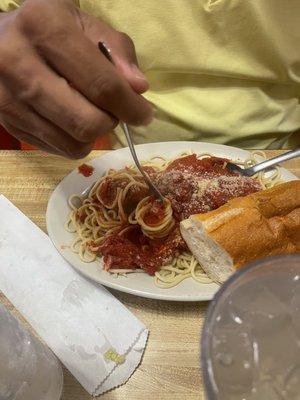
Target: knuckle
[[29, 14], [31, 92], [103, 88], [38, 20]]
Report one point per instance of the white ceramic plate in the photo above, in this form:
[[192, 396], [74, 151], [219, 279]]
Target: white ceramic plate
[[137, 283]]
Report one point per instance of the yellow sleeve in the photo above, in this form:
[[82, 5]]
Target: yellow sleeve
[[9, 5]]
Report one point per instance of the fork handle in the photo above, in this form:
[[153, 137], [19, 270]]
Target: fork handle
[[276, 160], [130, 144], [152, 187]]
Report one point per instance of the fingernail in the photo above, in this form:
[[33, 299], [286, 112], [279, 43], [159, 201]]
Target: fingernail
[[138, 73]]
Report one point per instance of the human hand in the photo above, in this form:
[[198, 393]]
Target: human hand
[[57, 91]]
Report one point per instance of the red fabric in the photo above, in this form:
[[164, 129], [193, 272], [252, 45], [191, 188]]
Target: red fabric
[[8, 142]]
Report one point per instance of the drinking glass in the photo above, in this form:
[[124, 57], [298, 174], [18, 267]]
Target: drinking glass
[[250, 348], [28, 369]]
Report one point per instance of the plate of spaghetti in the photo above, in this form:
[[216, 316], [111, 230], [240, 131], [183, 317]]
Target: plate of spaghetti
[[118, 235]]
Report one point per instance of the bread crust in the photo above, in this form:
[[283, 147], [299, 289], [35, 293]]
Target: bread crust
[[261, 224]]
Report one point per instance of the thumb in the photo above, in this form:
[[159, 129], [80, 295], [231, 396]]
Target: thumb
[[125, 59]]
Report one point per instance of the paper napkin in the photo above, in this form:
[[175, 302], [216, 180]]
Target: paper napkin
[[90, 331]]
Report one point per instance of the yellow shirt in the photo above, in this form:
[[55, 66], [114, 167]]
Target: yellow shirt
[[223, 71]]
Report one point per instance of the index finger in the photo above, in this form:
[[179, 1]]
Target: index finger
[[79, 61]]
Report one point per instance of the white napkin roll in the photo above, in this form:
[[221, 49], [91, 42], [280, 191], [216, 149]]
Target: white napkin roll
[[91, 332]]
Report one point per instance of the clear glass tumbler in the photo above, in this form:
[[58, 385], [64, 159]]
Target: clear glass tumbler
[[28, 369], [250, 347]]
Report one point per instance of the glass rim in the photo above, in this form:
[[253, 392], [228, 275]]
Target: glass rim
[[206, 329]]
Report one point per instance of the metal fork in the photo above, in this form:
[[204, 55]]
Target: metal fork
[[263, 165], [153, 189]]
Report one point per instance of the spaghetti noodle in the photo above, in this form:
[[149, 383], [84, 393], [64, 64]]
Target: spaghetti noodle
[[133, 232]]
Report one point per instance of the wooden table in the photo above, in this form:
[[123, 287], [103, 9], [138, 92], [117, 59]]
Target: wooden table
[[170, 369]]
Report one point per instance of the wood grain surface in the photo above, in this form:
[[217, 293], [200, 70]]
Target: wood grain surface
[[170, 369]]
